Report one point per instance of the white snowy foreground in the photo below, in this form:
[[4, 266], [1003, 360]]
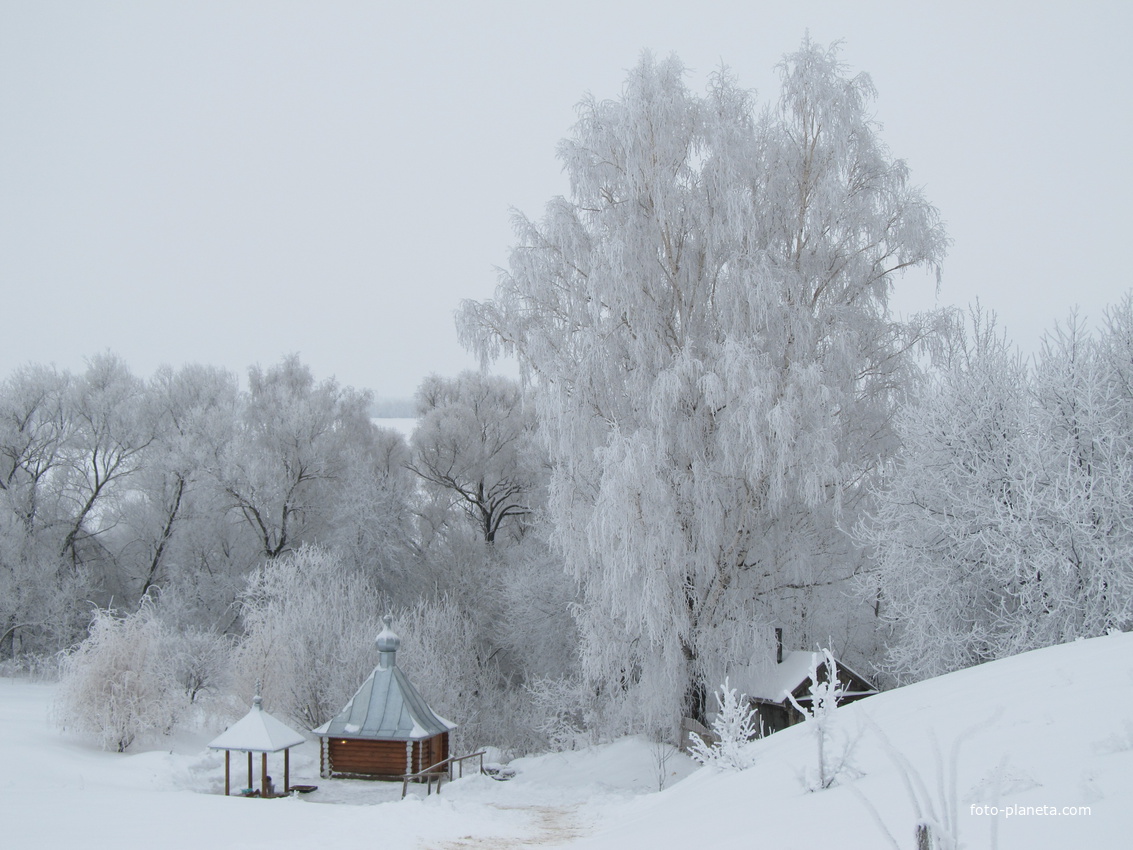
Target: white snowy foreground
[[1054, 730]]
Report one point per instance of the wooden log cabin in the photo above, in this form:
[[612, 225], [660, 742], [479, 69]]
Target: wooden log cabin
[[387, 730]]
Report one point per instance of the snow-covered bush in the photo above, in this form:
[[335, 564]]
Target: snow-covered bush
[[734, 728], [833, 751], [562, 712], [119, 684], [200, 662]]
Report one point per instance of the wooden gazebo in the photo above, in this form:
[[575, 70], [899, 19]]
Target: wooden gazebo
[[387, 730], [258, 732]]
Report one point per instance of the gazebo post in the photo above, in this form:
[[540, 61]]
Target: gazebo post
[[250, 785], [264, 775], [287, 771], [227, 770]]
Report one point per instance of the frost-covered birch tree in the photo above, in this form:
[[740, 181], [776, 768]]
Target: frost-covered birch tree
[[704, 325]]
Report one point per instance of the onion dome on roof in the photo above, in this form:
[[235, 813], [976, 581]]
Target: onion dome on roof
[[387, 640]]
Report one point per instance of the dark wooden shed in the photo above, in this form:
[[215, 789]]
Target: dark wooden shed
[[792, 675], [387, 730]]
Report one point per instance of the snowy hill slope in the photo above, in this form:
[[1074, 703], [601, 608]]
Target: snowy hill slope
[[1050, 731], [1053, 728]]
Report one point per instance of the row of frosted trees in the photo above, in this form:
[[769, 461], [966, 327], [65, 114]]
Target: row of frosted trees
[[113, 488], [202, 536], [1005, 522]]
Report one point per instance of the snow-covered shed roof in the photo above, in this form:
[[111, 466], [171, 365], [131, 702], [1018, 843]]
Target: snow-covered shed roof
[[778, 680], [772, 683], [386, 706], [258, 732]]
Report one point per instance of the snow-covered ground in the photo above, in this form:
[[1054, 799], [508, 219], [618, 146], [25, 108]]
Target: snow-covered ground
[[1052, 728]]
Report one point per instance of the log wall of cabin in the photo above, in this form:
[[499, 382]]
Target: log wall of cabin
[[383, 758]]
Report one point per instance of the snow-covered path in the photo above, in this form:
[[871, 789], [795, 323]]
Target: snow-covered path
[[549, 826]]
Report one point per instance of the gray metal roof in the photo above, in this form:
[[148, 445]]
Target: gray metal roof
[[387, 706]]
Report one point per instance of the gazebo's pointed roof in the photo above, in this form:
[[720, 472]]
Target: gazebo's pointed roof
[[258, 732], [386, 707]]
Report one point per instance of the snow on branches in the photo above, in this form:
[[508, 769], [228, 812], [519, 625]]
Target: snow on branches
[[733, 729], [826, 691], [1003, 525], [119, 684], [704, 325]]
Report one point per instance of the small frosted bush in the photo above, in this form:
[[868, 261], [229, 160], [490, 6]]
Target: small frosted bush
[[734, 728], [120, 683]]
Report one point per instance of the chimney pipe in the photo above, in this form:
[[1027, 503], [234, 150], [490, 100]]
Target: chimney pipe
[[778, 646]]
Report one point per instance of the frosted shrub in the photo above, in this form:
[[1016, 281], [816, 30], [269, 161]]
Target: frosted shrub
[[119, 684], [734, 728], [200, 662], [560, 711]]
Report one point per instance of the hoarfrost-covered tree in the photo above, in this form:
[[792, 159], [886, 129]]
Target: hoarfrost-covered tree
[[309, 626], [834, 751], [193, 411], [292, 446], [705, 329], [108, 435], [733, 728], [1003, 525], [485, 474], [946, 501], [373, 510], [473, 444], [69, 445], [37, 587]]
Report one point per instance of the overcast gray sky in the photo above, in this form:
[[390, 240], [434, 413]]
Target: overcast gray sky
[[228, 182]]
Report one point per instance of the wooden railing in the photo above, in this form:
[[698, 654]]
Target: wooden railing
[[431, 773]]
